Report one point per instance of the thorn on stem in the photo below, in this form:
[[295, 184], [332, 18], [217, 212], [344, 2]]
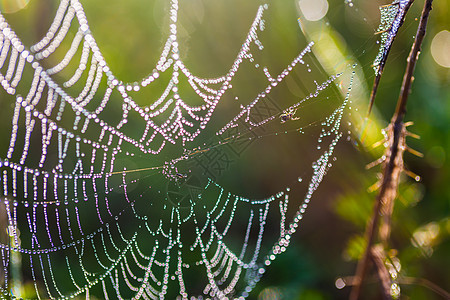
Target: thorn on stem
[[376, 163], [412, 174], [414, 152]]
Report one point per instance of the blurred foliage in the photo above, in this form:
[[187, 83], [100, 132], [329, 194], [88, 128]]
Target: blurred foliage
[[420, 237], [331, 239]]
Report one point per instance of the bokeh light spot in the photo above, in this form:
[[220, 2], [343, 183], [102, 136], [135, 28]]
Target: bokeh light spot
[[436, 156], [270, 293], [11, 6], [313, 10], [440, 48]]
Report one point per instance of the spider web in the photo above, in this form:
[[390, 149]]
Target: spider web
[[106, 197]]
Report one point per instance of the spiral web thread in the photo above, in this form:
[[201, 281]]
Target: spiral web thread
[[53, 176]]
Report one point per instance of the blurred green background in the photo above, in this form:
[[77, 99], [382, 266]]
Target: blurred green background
[[131, 35]]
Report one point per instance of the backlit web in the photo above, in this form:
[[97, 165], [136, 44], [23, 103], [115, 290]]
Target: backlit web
[[106, 197]]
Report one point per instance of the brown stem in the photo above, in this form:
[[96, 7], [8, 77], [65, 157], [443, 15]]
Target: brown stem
[[397, 124], [425, 283], [378, 258], [363, 262], [350, 281], [412, 58]]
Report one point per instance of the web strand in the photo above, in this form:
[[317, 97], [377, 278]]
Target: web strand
[[66, 183]]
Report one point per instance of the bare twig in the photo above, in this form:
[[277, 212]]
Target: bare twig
[[425, 283], [378, 258], [350, 281], [394, 161], [412, 59]]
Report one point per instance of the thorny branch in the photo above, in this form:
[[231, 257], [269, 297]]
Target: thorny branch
[[393, 165]]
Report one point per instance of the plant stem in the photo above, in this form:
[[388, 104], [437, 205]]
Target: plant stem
[[350, 281], [427, 284], [412, 59], [398, 126]]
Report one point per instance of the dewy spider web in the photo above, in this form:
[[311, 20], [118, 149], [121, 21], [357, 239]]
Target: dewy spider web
[[81, 219]]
